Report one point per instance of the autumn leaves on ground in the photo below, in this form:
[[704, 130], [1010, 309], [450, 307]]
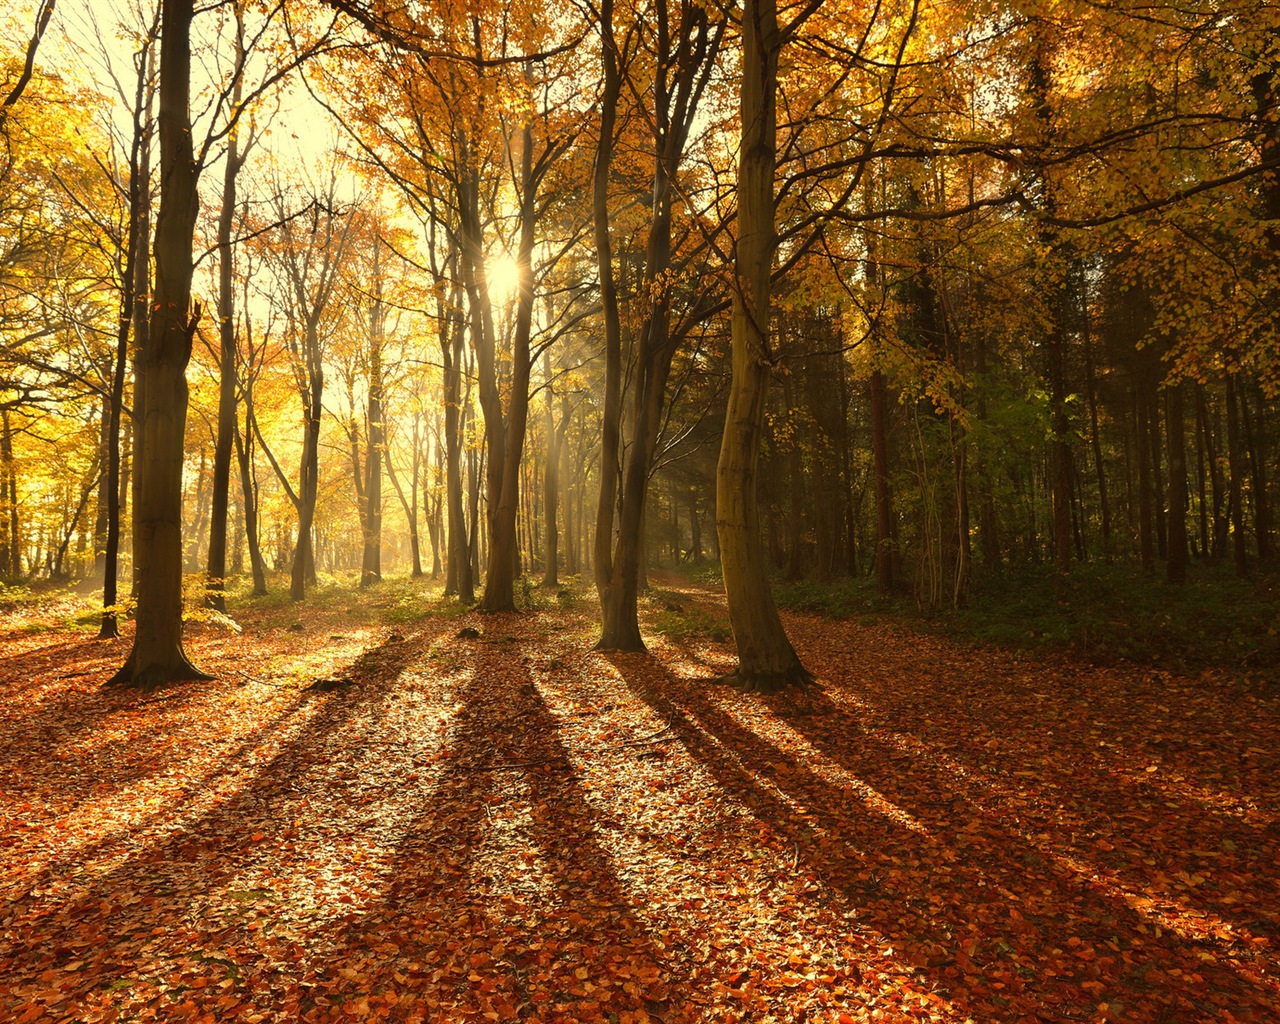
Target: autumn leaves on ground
[[475, 818]]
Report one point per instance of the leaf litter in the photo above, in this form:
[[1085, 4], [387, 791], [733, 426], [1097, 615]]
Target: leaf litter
[[485, 821]]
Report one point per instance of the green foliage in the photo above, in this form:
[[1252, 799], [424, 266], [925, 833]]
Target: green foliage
[[14, 596], [691, 623], [1102, 612], [839, 598], [1107, 612], [702, 571], [529, 598], [570, 592]]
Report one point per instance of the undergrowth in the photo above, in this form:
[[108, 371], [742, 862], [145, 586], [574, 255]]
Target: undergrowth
[[1102, 612]]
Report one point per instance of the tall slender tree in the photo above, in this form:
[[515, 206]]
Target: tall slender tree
[[766, 660], [157, 656]]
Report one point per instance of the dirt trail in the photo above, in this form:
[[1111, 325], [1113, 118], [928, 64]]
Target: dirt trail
[[510, 827]]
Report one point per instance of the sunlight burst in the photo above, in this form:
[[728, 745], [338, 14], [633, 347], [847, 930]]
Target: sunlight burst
[[503, 274]]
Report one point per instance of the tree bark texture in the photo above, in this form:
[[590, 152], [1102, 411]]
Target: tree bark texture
[[766, 660], [371, 561], [157, 656], [216, 565]]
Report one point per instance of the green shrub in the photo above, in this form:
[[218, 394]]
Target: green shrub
[[690, 624]]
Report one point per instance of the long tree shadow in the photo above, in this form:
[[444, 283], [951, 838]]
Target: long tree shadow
[[1125, 836], [501, 898], [126, 916], [40, 707], [974, 911], [1070, 770]]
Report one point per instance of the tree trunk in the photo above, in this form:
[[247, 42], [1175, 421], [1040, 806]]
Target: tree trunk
[[1059, 451], [884, 503], [157, 656], [1095, 436], [1235, 487], [474, 534], [551, 483], [795, 484], [249, 490], [410, 505], [677, 85], [138, 288], [617, 632], [110, 627], [1176, 568], [107, 439], [1146, 492], [303, 569], [371, 560], [200, 517], [1157, 479], [766, 660], [1258, 478], [433, 505], [458, 576], [499, 587], [11, 552], [87, 486], [216, 565], [879, 435]]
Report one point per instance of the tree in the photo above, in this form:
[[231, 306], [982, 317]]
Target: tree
[[236, 154], [44, 13], [135, 281], [309, 259], [157, 656], [687, 45], [766, 660]]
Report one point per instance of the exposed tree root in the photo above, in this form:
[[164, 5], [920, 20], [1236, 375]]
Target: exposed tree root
[[769, 682], [156, 675], [632, 645]]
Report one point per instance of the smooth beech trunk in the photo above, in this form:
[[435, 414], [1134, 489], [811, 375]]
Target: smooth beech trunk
[[157, 656], [10, 539], [409, 502], [134, 303], [687, 51], [1176, 567], [371, 560], [249, 492], [458, 576], [615, 634], [766, 660], [1235, 476], [501, 570], [312, 396], [216, 565]]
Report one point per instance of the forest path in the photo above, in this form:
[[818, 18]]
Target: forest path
[[512, 827]]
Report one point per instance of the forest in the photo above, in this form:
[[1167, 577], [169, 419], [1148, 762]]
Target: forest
[[640, 510]]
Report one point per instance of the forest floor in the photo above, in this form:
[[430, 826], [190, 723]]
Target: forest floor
[[509, 827]]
